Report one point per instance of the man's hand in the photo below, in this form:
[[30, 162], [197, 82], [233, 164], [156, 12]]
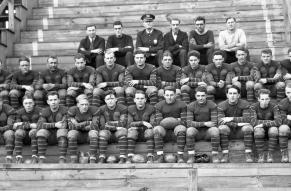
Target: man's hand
[[209, 124], [242, 124], [235, 79], [97, 51], [184, 81], [88, 86], [102, 85], [144, 49], [263, 81], [33, 125], [147, 124], [59, 125], [133, 82], [113, 49], [119, 128], [259, 126], [225, 120], [16, 125], [3, 85]]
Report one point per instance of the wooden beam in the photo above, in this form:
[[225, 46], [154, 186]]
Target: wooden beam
[[287, 19], [3, 6], [11, 14]]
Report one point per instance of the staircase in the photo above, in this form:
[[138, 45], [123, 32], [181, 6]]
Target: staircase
[[57, 26]]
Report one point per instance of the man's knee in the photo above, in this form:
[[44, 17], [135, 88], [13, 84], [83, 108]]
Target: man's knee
[[32, 133], [73, 135], [132, 134], [180, 129], [43, 133], [62, 133], [258, 86], [105, 134], [159, 131], [213, 132], [149, 134], [280, 85], [20, 133], [93, 134], [191, 132], [273, 132], [224, 130], [130, 91], [210, 90], [119, 90], [38, 94], [121, 133], [247, 129], [284, 130], [9, 135], [98, 92], [259, 132], [62, 93], [250, 85], [185, 89], [14, 93]]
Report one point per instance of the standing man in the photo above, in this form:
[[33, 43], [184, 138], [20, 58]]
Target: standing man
[[4, 81], [52, 79], [150, 41], [231, 39], [23, 82], [176, 41], [92, 46], [202, 40], [121, 44]]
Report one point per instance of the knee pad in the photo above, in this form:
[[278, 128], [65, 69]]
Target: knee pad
[[119, 90], [258, 86], [210, 90], [93, 134], [178, 91], [224, 129], [180, 129], [9, 135], [273, 132], [185, 89], [161, 93], [62, 93], [88, 91], [98, 92], [284, 130], [238, 84], [280, 85], [73, 135], [105, 134], [14, 93], [159, 130], [132, 134], [130, 91], [38, 94], [151, 90], [121, 133], [213, 132], [20, 133], [250, 85], [259, 132], [32, 133], [62, 133], [247, 128], [72, 93], [191, 132], [43, 133], [149, 134], [4, 93]]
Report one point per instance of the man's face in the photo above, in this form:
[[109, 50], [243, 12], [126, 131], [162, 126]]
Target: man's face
[[170, 96], [80, 63], [24, 66], [148, 24], [28, 105], [201, 97], [266, 58], [200, 26], [241, 56], [53, 101], [230, 24], [118, 30], [91, 31], [289, 56], [140, 100], [232, 95], [288, 93], [52, 64], [193, 61], [110, 100], [109, 59], [83, 105], [218, 60], [139, 59], [264, 100], [167, 62], [175, 25]]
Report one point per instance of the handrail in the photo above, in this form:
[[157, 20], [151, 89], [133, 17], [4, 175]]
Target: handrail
[[287, 19]]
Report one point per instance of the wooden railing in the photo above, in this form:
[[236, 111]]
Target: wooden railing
[[287, 19]]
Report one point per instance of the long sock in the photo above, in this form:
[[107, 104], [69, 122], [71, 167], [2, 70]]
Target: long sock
[[34, 146], [215, 141], [129, 100], [178, 97], [63, 101], [39, 102], [90, 98], [96, 101], [224, 142], [250, 95], [9, 145], [42, 146], [154, 99], [190, 141], [120, 99], [5, 99], [102, 146], [14, 102], [280, 93], [93, 147], [159, 143], [248, 140], [181, 140], [272, 143], [130, 146], [150, 146], [260, 143], [185, 97], [122, 142], [210, 97], [73, 144], [283, 142], [63, 144], [70, 101], [18, 145]]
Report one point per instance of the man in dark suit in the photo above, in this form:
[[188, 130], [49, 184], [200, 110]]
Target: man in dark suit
[[150, 41], [92, 46], [176, 41]]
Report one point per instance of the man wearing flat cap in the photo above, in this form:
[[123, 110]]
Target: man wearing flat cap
[[150, 40]]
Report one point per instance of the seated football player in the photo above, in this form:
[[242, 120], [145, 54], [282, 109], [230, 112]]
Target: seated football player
[[171, 124], [112, 121], [25, 128], [52, 127], [83, 126], [286, 68], [5, 80], [192, 76], [234, 121], [266, 119], [141, 118], [202, 124], [168, 75]]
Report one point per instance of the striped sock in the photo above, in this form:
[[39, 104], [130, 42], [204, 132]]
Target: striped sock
[[90, 98], [120, 99], [161, 98], [130, 146], [159, 143], [73, 146], [150, 146], [250, 95], [42, 146], [181, 140], [272, 143], [210, 97], [18, 145], [39, 102], [129, 100], [63, 144], [248, 140], [63, 101], [102, 146], [280, 93], [122, 142], [190, 143], [93, 147], [14, 102], [154, 99], [224, 142], [185, 97], [283, 142], [260, 143], [9, 145], [215, 141], [34, 146], [70, 101], [5, 99], [96, 101]]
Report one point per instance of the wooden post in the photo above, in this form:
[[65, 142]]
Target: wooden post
[[193, 180], [11, 14], [287, 19]]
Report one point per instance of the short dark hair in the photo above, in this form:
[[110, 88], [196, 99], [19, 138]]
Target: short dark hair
[[140, 92], [241, 49], [194, 53], [201, 89], [167, 53], [175, 19], [109, 92], [232, 87], [27, 96], [23, 58], [170, 88], [79, 55], [230, 18], [218, 52], [90, 25], [264, 91], [117, 23], [200, 18], [139, 52], [53, 57], [52, 93], [266, 51]]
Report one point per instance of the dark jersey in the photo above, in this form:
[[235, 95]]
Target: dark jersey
[[7, 117], [27, 117], [136, 116], [195, 75], [110, 119], [48, 118], [171, 77], [58, 78], [88, 118], [18, 79], [285, 109], [113, 77], [146, 76], [77, 77]]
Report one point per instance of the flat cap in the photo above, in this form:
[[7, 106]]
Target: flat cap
[[148, 17]]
